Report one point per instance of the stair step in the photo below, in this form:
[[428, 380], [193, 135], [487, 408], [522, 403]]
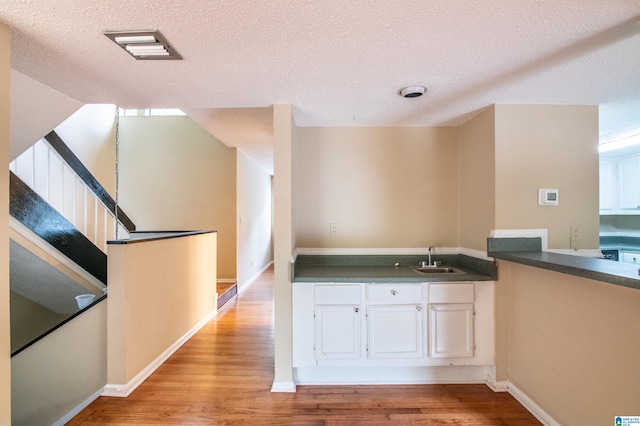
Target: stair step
[[226, 292]]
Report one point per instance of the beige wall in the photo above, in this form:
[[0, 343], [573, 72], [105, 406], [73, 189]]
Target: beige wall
[[90, 134], [60, 372], [254, 218], [5, 337], [383, 186], [285, 145], [476, 172], [29, 320], [548, 146], [573, 344], [146, 281], [176, 176]]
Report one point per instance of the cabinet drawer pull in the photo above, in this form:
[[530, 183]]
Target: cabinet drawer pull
[[394, 292]]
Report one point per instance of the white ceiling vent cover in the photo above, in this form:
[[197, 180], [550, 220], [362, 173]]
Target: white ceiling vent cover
[[144, 45]]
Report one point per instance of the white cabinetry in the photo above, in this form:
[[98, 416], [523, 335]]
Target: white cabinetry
[[395, 317], [391, 333], [337, 316], [451, 328], [337, 332], [451, 325], [607, 184], [620, 185], [394, 331], [629, 183]]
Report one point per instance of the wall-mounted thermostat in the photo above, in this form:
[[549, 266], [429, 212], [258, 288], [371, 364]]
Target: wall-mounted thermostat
[[548, 197]]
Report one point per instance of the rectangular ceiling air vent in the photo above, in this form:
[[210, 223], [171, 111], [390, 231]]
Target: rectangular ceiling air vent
[[144, 45]]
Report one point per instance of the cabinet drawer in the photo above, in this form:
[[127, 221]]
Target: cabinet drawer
[[394, 293], [451, 293], [631, 257], [337, 294]]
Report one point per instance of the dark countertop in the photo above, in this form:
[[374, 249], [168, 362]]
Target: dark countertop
[[380, 269], [618, 273], [142, 236]]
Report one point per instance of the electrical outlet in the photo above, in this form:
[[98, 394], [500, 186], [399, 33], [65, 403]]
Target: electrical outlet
[[575, 234], [333, 229], [574, 237]]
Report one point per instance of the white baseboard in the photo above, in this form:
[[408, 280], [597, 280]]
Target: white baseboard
[[391, 376], [124, 390], [532, 406], [528, 403], [242, 287], [498, 386], [84, 404], [283, 387]]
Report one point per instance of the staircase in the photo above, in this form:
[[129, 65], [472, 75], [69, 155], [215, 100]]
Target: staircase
[[60, 221]]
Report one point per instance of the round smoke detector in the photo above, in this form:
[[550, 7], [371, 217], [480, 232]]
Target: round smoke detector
[[412, 91]]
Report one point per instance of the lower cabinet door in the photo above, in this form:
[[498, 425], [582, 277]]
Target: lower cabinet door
[[395, 331], [451, 330], [337, 332]]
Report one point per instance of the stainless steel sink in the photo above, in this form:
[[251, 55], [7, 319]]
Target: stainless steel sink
[[436, 270]]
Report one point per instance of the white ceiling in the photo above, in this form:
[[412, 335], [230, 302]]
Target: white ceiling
[[338, 62]]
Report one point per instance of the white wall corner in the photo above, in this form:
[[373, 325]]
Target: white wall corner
[[283, 387], [497, 386]]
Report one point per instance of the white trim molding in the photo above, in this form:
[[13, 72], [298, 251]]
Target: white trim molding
[[78, 408], [125, 389], [246, 284], [282, 387], [336, 376], [528, 403]]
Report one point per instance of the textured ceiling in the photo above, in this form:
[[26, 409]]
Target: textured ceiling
[[338, 62]]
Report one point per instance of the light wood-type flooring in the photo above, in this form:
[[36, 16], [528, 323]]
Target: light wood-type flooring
[[223, 375]]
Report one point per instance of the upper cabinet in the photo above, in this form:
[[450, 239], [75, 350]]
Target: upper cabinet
[[620, 185], [607, 185], [629, 183]]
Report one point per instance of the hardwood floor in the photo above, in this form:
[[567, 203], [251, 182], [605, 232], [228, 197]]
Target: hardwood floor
[[223, 375]]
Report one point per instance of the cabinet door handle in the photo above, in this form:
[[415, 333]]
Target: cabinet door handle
[[394, 292], [356, 310], [419, 308]]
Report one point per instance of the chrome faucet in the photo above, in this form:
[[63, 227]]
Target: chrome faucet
[[431, 251]]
